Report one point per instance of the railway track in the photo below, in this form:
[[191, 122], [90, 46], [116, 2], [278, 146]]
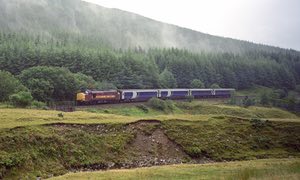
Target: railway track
[[69, 108], [132, 104]]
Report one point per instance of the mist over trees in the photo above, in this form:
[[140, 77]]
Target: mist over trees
[[45, 44], [151, 68], [66, 19]]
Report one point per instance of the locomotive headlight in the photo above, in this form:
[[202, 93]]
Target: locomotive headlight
[[80, 97]]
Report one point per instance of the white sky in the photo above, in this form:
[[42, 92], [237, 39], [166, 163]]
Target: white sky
[[273, 22]]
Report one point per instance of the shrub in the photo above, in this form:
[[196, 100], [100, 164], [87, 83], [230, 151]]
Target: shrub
[[215, 86], [190, 98], [265, 99], [9, 85], [248, 102], [169, 105], [38, 104], [262, 142], [158, 104], [61, 115], [105, 86], [258, 123], [21, 99], [52, 83], [280, 93], [196, 83], [143, 108], [161, 105], [167, 79]]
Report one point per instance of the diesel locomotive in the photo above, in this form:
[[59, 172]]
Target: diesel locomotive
[[141, 95]]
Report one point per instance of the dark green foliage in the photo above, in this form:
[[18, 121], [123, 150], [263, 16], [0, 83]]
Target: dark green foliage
[[280, 98], [258, 123], [280, 93], [215, 86], [141, 69], [106, 86], [233, 100], [196, 83], [265, 99], [248, 101], [63, 35], [161, 105], [157, 104], [190, 98], [21, 99], [143, 108], [85, 82], [9, 85], [61, 115], [38, 105], [52, 83], [167, 80]]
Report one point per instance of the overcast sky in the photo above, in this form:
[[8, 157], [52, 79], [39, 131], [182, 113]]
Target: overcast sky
[[273, 22]]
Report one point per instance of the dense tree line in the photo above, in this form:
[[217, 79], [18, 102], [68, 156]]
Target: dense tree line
[[32, 60]]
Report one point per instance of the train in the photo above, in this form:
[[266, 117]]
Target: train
[[92, 97]]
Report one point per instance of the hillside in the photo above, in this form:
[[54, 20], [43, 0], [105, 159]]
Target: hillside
[[60, 19], [39, 143], [56, 48]]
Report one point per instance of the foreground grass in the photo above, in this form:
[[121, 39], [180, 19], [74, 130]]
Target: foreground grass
[[218, 132], [255, 169], [52, 150]]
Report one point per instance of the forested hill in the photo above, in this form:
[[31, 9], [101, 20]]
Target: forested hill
[[57, 47], [66, 19]]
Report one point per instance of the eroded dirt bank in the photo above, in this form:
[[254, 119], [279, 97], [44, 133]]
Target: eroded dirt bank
[[149, 146]]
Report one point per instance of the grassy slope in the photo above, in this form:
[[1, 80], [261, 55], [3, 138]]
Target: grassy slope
[[11, 118], [54, 150], [234, 138], [257, 169], [29, 149]]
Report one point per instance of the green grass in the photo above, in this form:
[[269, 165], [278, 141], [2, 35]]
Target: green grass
[[44, 151], [256, 169], [235, 139], [126, 111], [200, 108], [221, 109], [11, 118], [194, 111], [219, 132]]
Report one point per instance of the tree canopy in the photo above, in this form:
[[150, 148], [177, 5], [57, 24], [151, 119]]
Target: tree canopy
[[9, 85], [54, 83], [167, 80], [138, 68]]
